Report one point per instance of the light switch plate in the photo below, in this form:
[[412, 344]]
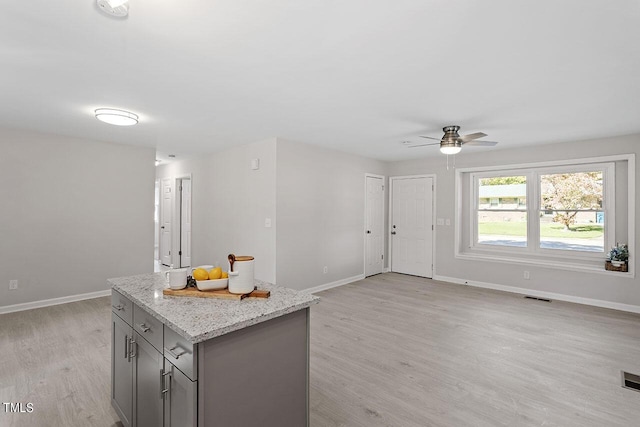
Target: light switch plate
[[267, 222], [440, 221]]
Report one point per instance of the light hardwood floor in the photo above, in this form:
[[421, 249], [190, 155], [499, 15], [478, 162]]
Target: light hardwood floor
[[396, 350], [58, 358], [391, 350]]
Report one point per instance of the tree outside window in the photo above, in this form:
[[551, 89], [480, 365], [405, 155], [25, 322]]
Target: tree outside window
[[575, 201]]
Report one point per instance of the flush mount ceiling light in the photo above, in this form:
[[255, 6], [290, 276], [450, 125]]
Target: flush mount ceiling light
[[118, 8], [116, 117]]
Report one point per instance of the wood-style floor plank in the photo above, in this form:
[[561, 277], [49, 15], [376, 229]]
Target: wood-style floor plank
[[58, 358], [395, 350], [391, 350]]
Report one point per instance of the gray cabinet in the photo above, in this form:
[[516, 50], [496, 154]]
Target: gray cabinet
[[161, 379], [181, 398], [147, 389], [121, 369], [147, 384]]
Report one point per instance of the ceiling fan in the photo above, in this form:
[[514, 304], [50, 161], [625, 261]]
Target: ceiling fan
[[451, 142]]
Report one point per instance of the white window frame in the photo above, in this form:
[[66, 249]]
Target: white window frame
[[475, 177], [533, 177], [533, 254]]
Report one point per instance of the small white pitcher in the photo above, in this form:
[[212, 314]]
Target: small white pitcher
[[177, 279]]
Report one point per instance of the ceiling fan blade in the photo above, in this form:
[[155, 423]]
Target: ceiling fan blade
[[430, 137], [480, 143], [471, 136], [423, 145]]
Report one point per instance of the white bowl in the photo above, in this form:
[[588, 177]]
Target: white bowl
[[212, 285]]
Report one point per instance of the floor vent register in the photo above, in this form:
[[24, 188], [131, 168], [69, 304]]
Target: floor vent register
[[536, 298], [630, 381]]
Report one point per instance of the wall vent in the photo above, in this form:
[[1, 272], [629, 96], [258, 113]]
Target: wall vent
[[536, 298], [630, 381]]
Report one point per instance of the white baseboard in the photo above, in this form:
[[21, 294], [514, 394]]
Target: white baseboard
[[52, 301], [386, 270], [334, 284], [542, 294]]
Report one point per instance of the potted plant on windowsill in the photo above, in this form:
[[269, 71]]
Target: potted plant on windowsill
[[617, 258]]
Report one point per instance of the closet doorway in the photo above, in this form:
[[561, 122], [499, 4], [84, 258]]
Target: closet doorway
[[175, 222]]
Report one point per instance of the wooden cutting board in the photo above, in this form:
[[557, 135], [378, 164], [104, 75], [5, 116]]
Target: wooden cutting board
[[222, 293]]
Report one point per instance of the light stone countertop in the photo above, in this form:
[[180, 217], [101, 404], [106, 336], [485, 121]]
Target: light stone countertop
[[200, 319]]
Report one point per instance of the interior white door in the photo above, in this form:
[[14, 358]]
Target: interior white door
[[185, 223], [374, 225], [412, 226], [166, 213]]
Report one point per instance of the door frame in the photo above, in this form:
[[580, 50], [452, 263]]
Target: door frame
[[364, 227], [162, 214], [176, 220], [433, 213]]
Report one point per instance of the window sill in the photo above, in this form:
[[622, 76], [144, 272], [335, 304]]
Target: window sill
[[560, 265]]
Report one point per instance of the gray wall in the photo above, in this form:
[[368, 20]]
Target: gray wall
[[74, 213], [230, 203], [77, 212], [584, 285], [320, 205], [313, 196]]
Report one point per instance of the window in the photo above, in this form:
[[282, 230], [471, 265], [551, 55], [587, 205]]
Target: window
[[571, 215], [503, 223], [553, 214]]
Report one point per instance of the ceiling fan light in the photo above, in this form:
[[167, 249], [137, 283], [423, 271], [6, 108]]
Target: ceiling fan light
[[116, 8], [450, 149], [116, 117], [116, 3]]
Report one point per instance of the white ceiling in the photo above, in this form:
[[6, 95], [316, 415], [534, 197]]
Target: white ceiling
[[355, 75]]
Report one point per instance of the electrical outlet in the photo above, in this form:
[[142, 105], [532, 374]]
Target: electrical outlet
[[325, 270], [13, 285], [526, 275]]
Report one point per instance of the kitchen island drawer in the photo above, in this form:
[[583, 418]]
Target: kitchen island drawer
[[181, 353], [148, 327], [122, 306]]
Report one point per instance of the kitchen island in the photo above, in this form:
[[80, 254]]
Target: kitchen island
[[179, 361]]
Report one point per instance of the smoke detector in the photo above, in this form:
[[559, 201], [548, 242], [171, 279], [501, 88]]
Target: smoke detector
[[118, 8]]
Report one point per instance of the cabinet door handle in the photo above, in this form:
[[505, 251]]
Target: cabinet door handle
[[163, 387], [118, 307], [175, 355], [126, 346], [132, 354], [144, 327]]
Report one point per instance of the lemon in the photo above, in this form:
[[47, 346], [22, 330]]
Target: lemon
[[225, 275], [200, 274], [215, 273]]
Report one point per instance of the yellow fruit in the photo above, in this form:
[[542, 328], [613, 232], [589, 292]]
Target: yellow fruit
[[200, 274], [225, 275], [215, 273]]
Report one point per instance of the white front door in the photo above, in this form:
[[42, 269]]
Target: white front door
[[412, 225], [374, 225], [166, 212], [185, 223]]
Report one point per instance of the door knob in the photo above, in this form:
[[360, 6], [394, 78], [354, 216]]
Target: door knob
[[368, 231], [393, 232]]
